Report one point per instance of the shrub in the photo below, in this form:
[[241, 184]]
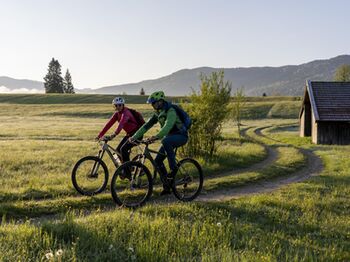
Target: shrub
[[208, 110]]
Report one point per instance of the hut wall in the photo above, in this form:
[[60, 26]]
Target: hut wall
[[314, 130], [302, 124], [334, 133], [305, 121]]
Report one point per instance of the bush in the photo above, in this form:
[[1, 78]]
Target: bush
[[208, 110]]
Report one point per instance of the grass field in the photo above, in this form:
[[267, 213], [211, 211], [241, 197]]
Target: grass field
[[106, 99], [307, 221]]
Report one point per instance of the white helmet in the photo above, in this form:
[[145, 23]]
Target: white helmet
[[118, 101]]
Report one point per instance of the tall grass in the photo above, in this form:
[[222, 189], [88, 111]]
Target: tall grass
[[307, 221], [303, 222]]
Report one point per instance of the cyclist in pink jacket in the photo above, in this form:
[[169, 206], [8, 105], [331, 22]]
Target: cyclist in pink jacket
[[127, 122]]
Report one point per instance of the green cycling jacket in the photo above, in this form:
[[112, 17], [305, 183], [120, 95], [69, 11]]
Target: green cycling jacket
[[167, 119]]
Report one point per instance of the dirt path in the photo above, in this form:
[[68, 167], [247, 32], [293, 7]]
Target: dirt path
[[313, 167], [272, 156]]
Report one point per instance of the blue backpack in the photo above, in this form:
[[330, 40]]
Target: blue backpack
[[184, 117]]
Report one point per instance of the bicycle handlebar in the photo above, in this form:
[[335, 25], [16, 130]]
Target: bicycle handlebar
[[103, 141], [143, 141], [136, 142]]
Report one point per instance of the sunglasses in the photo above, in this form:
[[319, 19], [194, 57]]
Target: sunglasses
[[120, 105]]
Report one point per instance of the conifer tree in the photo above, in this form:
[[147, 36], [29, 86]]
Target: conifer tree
[[53, 79], [68, 85]]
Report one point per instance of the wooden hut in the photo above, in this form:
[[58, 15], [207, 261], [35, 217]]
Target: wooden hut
[[325, 112]]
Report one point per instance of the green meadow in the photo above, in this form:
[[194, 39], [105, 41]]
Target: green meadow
[[45, 219]]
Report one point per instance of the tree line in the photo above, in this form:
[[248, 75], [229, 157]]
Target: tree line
[[54, 82]]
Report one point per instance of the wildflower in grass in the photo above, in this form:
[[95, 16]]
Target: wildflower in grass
[[49, 255], [218, 224], [131, 249], [59, 252], [110, 247]]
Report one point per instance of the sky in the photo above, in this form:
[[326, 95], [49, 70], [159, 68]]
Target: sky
[[108, 42]]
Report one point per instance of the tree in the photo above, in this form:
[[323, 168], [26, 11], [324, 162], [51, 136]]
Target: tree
[[53, 79], [142, 92], [342, 74], [238, 103], [264, 94], [68, 85], [208, 110]]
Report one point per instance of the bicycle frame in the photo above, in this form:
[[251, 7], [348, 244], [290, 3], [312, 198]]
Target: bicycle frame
[[105, 148], [110, 150], [147, 153], [186, 183]]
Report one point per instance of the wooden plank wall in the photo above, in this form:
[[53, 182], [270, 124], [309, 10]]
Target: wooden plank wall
[[334, 133]]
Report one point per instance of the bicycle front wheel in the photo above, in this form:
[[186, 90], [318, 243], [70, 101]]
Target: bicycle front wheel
[[131, 185], [90, 176], [188, 181], [147, 162]]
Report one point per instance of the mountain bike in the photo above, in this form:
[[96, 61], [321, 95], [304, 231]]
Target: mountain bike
[[90, 174], [135, 191]]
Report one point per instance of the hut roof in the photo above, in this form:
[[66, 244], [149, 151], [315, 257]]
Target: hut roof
[[330, 101]]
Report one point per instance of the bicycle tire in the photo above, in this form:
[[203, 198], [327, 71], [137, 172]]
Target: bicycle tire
[[100, 186], [134, 195], [183, 178]]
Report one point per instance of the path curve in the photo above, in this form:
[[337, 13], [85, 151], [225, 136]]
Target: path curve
[[314, 167]]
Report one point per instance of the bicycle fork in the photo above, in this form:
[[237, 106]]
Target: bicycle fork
[[96, 164]]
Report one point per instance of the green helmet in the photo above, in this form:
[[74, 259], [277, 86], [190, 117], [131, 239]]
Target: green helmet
[[156, 96]]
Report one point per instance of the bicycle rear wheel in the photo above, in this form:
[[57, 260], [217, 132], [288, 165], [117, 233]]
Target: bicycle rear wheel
[[188, 181], [90, 176], [131, 185]]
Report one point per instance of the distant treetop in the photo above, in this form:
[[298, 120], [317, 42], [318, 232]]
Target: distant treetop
[[342, 74]]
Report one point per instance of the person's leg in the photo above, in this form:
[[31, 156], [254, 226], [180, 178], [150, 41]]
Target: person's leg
[[119, 148], [125, 150], [122, 155], [159, 161], [162, 170], [169, 144]]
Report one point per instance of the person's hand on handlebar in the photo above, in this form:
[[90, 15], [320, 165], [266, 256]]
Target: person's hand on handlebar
[[151, 139], [108, 138], [132, 140]]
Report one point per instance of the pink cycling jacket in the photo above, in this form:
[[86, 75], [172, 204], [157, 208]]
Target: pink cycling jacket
[[126, 121]]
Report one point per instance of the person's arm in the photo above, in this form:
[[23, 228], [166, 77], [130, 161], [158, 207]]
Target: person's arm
[[145, 127], [108, 125], [169, 123]]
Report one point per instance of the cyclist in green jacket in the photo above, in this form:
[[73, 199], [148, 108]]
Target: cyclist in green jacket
[[172, 133]]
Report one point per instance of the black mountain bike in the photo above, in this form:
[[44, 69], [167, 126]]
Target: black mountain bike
[[135, 190], [90, 174]]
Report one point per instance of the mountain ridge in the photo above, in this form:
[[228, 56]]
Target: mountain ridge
[[283, 80], [20, 84]]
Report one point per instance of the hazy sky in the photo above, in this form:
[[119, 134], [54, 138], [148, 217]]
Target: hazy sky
[[106, 42]]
